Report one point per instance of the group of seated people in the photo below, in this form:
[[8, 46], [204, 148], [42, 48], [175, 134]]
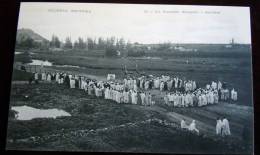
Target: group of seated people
[[192, 127]]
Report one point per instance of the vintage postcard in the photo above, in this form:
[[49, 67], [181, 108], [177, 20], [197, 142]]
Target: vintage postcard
[[132, 78]]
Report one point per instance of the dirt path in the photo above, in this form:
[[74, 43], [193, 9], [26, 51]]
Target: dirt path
[[205, 119]]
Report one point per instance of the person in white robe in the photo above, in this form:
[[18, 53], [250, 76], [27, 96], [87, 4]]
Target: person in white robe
[[161, 86], [49, 77], [72, 83], [90, 89], [204, 99], [36, 77], [219, 127], [225, 127], [200, 102], [186, 100], [117, 96], [96, 91], [194, 86], [182, 100], [142, 95], [57, 77], [106, 93], [233, 95], [183, 124], [175, 100], [176, 82], [133, 97], [192, 127], [226, 94], [169, 85], [207, 86], [216, 97], [219, 85], [211, 97], [146, 85], [166, 99], [149, 99], [213, 85], [222, 94]]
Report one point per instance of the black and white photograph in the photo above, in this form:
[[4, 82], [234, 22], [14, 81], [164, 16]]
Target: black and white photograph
[[136, 78]]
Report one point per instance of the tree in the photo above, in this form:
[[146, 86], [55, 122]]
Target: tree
[[90, 43], [136, 52], [68, 43], [111, 52], [101, 43], [55, 42], [81, 43], [121, 43], [76, 45]]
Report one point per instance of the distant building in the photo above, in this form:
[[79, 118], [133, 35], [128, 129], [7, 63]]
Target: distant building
[[182, 49]]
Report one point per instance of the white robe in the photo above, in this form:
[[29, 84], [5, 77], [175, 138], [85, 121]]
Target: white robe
[[142, 95], [225, 129], [192, 127], [72, 83], [218, 127], [184, 125]]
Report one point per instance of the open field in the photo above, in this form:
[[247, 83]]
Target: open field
[[236, 71]]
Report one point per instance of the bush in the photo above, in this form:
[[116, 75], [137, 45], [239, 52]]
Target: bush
[[111, 52], [136, 53]]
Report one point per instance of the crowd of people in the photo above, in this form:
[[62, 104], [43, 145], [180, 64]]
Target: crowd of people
[[179, 92], [211, 94]]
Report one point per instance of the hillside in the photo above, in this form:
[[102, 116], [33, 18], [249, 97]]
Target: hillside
[[26, 33]]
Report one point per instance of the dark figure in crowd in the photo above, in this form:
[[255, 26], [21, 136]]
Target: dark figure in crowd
[[139, 101], [30, 80], [53, 77], [76, 83], [150, 84], [138, 83], [67, 81], [165, 86]]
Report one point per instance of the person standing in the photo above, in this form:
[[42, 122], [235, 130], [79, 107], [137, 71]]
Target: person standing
[[218, 126], [226, 128], [183, 124]]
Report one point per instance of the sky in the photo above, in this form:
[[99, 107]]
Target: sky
[[138, 23]]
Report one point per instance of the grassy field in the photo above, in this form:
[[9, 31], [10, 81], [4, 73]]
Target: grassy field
[[93, 113], [236, 71]]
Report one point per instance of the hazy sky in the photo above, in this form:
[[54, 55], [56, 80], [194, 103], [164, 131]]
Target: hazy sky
[[138, 23]]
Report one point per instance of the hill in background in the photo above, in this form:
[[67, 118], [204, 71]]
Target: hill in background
[[28, 33]]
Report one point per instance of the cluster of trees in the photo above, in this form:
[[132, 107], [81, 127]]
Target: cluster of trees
[[89, 43], [112, 46], [27, 43]]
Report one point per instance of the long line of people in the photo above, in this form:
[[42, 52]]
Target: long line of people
[[133, 90]]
